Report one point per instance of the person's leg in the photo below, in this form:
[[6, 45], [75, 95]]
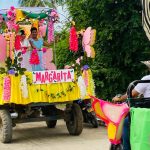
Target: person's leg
[[126, 134]]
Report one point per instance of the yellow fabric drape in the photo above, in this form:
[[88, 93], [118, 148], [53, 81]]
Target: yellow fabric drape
[[55, 92]]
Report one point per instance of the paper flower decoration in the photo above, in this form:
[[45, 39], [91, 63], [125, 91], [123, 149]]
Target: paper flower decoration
[[3, 48], [11, 16], [50, 31], [11, 71], [24, 50], [34, 59], [1, 19], [88, 41], [6, 89], [53, 17], [17, 42], [73, 40], [85, 67], [44, 49], [82, 87], [23, 86], [47, 60]]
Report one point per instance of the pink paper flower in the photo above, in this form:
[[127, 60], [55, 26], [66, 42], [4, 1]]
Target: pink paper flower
[[12, 8], [34, 59], [7, 89], [9, 13], [73, 40], [44, 49]]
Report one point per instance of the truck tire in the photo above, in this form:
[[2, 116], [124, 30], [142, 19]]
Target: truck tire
[[5, 126], [75, 124], [51, 123]]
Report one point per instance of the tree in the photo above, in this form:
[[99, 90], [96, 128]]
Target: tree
[[42, 3]]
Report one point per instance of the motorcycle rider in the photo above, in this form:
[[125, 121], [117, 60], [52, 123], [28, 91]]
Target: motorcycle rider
[[140, 88]]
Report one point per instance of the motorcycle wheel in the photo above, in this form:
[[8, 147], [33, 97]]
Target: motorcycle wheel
[[116, 147], [93, 121]]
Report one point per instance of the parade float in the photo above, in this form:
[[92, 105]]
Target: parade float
[[27, 94]]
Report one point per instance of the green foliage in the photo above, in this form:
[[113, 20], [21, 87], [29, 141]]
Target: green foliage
[[121, 42], [13, 67], [63, 55]]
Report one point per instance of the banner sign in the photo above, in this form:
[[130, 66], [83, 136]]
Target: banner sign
[[53, 76]]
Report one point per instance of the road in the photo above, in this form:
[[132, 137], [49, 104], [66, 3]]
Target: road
[[36, 136]]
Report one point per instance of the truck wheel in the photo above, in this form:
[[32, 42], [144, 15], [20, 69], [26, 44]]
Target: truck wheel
[[5, 126], [51, 123], [75, 124]]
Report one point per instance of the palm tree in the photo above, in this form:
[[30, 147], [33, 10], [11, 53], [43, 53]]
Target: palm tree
[[40, 3]]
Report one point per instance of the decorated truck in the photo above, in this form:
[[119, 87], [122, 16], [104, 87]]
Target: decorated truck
[[31, 86]]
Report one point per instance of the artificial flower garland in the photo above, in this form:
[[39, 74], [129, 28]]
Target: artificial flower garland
[[53, 16], [34, 58], [73, 40], [6, 89], [82, 87], [50, 31], [23, 86], [11, 16], [88, 78]]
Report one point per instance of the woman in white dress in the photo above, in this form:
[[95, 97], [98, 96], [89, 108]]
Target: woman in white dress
[[25, 49]]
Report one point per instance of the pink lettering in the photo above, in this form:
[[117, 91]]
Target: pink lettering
[[58, 77], [65, 77], [50, 77], [43, 79], [38, 76], [54, 76], [46, 76], [69, 75]]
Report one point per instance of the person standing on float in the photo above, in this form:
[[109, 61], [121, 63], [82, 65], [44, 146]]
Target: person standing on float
[[36, 43]]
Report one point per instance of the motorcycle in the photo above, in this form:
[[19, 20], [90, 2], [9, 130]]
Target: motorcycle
[[88, 112], [114, 114]]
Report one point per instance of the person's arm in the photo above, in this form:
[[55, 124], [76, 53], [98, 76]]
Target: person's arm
[[32, 45], [28, 44], [124, 97], [46, 44]]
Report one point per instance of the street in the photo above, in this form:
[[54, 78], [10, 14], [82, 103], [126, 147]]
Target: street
[[36, 136]]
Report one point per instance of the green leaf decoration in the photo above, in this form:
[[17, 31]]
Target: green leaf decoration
[[19, 54], [20, 59]]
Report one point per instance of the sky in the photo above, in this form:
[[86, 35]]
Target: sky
[[8, 3]]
